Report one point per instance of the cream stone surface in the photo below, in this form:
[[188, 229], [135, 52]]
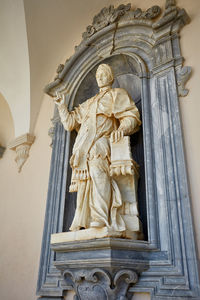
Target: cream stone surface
[[92, 233], [104, 174], [23, 195]]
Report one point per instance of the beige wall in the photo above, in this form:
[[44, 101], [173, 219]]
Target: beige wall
[[14, 63], [23, 196], [22, 209]]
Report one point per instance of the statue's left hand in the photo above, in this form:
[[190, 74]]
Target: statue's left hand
[[116, 136]]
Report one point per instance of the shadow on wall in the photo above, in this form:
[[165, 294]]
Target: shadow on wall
[[7, 131]]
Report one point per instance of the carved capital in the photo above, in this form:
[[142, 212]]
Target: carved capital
[[21, 146], [99, 284]]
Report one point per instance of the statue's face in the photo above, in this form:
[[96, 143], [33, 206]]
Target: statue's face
[[103, 79]]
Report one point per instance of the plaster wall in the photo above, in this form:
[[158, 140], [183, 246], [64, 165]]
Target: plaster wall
[[6, 122], [22, 209], [23, 195], [14, 63]]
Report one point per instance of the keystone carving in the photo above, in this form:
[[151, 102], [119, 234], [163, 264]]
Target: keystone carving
[[183, 74], [98, 284]]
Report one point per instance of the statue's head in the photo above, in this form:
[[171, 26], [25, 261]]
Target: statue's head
[[104, 75]]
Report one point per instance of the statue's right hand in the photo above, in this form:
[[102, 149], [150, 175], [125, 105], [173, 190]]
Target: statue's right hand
[[59, 99]]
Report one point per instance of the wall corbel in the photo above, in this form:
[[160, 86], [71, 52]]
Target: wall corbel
[[21, 145]]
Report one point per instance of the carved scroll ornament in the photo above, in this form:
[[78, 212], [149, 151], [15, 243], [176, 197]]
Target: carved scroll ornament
[[98, 284], [111, 15]]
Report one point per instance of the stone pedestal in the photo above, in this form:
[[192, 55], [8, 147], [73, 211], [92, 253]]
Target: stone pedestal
[[99, 268]]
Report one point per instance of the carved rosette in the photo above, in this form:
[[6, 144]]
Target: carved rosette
[[98, 284], [21, 146]]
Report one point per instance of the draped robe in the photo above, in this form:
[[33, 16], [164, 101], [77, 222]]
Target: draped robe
[[98, 195]]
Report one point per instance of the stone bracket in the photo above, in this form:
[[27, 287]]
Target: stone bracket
[[96, 269], [21, 145], [98, 283]]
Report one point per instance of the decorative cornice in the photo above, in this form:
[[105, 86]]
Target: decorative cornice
[[22, 146], [110, 15], [171, 15]]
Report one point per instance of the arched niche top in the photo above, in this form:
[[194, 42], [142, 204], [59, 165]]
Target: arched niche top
[[132, 32]]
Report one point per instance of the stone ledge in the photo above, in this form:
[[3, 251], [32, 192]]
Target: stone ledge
[[91, 233], [102, 243]]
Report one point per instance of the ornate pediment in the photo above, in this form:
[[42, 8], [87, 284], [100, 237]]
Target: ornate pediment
[[171, 21]]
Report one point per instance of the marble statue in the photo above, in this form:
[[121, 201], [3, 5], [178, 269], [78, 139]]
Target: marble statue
[[104, 174]]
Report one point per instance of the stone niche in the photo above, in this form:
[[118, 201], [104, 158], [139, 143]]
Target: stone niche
[[143, 49]]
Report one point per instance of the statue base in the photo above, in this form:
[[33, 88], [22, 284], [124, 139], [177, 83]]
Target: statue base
[[100, 268], [92, 233]]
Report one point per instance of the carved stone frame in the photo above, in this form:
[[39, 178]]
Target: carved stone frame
[[170, 249]]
